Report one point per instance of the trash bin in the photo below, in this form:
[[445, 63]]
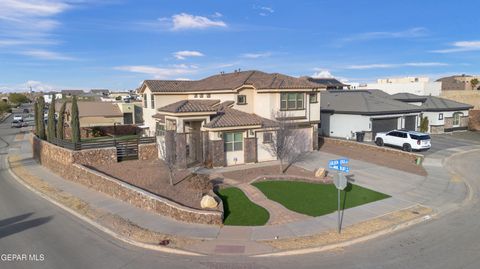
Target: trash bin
[[360, 136]]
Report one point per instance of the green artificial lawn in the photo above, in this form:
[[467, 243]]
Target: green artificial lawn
[[239, 210], [316, 199]]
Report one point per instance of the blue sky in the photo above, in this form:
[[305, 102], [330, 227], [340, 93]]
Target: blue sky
[[116, 44]]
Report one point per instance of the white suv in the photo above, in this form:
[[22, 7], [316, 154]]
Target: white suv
[[407, 140], [18, 117]]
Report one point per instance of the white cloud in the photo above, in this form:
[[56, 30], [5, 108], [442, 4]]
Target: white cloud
[[461, 46], [265, 11], [181, 55], [184, 21], [256, 55], [322, 74], [157, 72], [23, 87], [384, 66], [46, 55], [409, 33], [217, 15]]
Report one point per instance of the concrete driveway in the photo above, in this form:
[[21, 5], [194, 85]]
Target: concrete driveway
[[452, 140]]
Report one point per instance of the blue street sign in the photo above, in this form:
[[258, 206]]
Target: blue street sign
[[344, 169], [343, 161], [336, 167], [332, 162]]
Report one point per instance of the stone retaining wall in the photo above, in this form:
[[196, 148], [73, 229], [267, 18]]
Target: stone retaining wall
[[349, 143], [147, 152], [70, 165]]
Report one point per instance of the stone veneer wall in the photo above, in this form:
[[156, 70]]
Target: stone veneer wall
[[474, 121], [147, 152], [348, 143], [315, 139], [217, 153], [250, 150], [70, 165], [436, 129]]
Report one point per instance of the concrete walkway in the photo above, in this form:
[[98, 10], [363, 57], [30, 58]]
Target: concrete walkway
[[439, 190]]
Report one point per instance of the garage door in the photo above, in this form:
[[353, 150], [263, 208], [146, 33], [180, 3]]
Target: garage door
[[384, 125], [410, 123]]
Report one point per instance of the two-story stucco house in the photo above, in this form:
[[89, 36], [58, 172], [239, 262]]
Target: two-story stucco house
[[227, 119]]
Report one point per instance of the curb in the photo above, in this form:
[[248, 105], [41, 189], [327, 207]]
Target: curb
[[395, 228], [97, 225]]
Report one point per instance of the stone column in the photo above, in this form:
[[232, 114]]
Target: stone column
[[315, 139], [181, 150], [217, 153], [250, 149], [205, 148]]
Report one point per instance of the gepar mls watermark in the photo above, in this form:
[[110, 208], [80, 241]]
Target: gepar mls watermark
[[22, 257]]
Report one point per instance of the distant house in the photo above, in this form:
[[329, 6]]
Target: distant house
[[70, 93], [459, 83], [413, 85], [100, 92], [443, 115], [344, 113], [48, 96], [330, 83], [95, 113]]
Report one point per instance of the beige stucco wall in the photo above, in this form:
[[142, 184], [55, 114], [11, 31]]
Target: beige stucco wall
[[467, 97], [100, 121]]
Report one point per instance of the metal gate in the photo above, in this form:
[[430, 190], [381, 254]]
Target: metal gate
[[127, 150], [384, 125]]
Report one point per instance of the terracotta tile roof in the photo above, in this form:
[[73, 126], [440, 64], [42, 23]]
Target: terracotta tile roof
[[159, 116], [231, 81], [94, 109], [190, 106], [229, 117]]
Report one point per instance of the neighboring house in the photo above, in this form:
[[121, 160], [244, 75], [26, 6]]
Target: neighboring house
[[414, 85], [100, 92], [459, 83], [443, 115], [129, 113], [225, 119], [95, 113], [330, 83], [48, 96], [344, 113], [70, 93]]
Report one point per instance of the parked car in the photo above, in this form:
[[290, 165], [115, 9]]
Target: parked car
[[26, 111], [17, 124], [407, 140], [17, 117]]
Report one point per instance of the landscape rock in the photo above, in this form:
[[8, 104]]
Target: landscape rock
[[320, 172], [208, 202]]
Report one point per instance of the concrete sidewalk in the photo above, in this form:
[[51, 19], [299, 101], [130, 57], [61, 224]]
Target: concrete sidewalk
[[439, 190]]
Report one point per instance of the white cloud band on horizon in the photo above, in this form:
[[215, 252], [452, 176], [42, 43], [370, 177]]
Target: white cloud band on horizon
[[256, 55], [47, 55], [461, 46], [158, 72], [384, 65], [409, 33]]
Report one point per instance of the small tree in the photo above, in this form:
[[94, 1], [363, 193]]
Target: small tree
[[61, 121], [36, 116], [288, 143], [423, 124], [167, 153], [40, 117], [75, 121], [17, 98], [51, 132], [474, 83]]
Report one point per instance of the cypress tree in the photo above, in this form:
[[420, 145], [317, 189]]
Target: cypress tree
[[41, 118], [61, 121], [35, 110], [75, 122], [51, 132]]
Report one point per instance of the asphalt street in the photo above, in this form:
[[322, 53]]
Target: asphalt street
[[32, 226]]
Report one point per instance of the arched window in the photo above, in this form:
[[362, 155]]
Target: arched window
[[457, 117]]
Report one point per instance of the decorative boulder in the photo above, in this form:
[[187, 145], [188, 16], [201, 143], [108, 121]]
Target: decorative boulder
[[208, 202], [320, 172]]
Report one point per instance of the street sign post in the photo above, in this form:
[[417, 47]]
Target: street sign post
[[340, 181]]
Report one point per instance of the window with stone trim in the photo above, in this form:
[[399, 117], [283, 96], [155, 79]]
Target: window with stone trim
[[159, 129], [152, 101], [233, 141], [291, 101]]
